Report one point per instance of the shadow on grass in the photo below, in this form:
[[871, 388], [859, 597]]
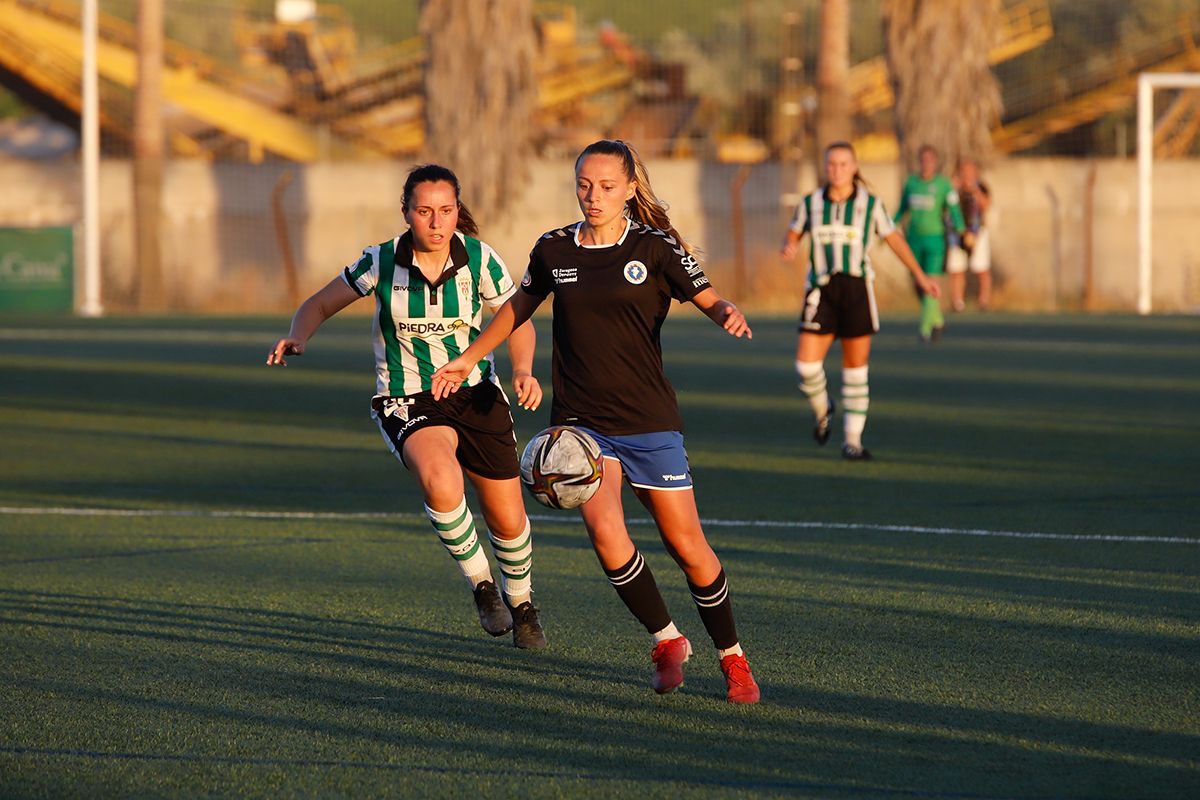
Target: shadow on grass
[[395, 697]]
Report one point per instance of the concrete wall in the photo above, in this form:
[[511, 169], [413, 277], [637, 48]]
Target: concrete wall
[[221, 252]]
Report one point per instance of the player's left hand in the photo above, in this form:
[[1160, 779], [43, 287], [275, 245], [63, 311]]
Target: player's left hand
[[735, 323], [931, 287], [529, 391]]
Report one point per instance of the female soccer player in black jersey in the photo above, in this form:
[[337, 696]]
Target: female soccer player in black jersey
[[613, 276]]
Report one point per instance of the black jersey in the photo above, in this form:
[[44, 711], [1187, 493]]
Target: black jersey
[[609, 306]]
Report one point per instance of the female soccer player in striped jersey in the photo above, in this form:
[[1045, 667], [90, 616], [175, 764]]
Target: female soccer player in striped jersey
[[842, 219], [429, 286], [613, 276]]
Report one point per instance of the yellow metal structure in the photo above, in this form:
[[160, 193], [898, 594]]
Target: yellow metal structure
[[1177, 130], [1099, 92], [1024, 26], [58, 41]]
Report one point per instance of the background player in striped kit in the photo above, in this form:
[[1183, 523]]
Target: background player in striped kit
[[841, 218], [613, 276], [926, 202], [429, 286]]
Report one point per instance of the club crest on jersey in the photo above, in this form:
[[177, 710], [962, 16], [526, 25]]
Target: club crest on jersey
[[636, 272]]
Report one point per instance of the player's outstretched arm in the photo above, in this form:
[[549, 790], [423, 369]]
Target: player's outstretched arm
[[510, 316], [723, 312], [311, 314], [899, 245], [791, 243]]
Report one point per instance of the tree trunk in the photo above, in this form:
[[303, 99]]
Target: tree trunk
[[946, 94], [148, 156], [480, 96], [833, 69]]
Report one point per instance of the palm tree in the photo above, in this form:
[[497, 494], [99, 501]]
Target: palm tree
[[480, 95], [946, 94], [833, 69]]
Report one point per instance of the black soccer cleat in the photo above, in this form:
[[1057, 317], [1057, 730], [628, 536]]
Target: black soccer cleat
[[824, 425], [527, 628], [494, 615], [853, 453]]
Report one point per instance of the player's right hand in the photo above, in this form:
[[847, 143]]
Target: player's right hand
[[287, 346]]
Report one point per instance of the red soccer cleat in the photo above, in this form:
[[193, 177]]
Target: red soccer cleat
[[668, 657], [739, 680]]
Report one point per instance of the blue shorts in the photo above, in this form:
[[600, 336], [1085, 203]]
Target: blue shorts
[[649, 460]]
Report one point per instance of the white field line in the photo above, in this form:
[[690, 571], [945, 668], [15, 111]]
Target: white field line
[[714, 523]]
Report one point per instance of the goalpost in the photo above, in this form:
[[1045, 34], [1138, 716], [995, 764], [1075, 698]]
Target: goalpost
[[1147, 83]]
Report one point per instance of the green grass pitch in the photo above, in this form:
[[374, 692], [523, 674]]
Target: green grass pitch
[[214, 580]]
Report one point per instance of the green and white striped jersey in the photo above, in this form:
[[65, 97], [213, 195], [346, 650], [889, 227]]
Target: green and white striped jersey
[[840, 233], [419, 326]]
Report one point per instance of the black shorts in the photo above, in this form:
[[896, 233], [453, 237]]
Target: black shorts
[[844, 307], [479, 414]]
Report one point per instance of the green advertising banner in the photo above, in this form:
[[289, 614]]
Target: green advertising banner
[[37, 269]]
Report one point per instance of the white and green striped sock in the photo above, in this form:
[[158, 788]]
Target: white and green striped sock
[[515, 557], [456, 530], [814, 386], [856, 398]]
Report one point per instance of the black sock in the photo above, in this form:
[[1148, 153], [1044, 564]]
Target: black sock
[[716, 611], [636, 587]]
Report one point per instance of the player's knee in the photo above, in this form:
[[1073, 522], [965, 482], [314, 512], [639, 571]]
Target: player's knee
[[508, 523], [441, 483]]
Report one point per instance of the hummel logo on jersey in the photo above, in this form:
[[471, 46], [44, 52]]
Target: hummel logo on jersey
[[425, 327], [565, 274], [635, 272]]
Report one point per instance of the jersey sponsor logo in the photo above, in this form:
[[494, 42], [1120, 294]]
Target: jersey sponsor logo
[[565, 274], [701, 281], [922, 202], [835, 234], [636, 272], [690, 264], [428, 327]]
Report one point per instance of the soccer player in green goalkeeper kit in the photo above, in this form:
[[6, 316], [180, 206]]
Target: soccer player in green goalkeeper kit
[[927, 199]]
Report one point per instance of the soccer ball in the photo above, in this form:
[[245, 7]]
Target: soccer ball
[[561, 467]]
